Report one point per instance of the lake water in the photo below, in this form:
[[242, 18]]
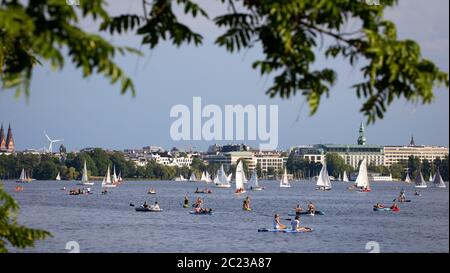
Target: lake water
[[107, 223]]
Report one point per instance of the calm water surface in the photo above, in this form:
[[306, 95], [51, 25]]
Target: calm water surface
[[107, 223]]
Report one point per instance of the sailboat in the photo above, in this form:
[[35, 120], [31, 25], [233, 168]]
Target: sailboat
[[244, 178], [284, 182], [207, 178], [345, 177], [362, 181], [23, 177], [229, 177], [323, 181], [407, 179], [119, 178], [339, 178], [239, 178], [203, 177], [438, 182], [115, 178], [84, 177], [58, 177], [253, 183], [221, 179], [420, 182], [180, 178], [107, 183], [193, 178], [431, 178]]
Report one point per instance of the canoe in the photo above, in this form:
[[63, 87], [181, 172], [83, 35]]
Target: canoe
[[148, 209], [201, 213], [318, 212], [282, 230]]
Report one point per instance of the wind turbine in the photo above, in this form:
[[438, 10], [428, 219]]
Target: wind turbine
[[51, 141]]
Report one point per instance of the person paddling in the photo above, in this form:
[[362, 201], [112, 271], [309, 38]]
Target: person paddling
[[311, 208], [186, 202], [246, 203]]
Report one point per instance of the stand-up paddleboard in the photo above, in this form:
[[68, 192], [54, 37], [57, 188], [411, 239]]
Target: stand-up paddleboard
[[201, 213], [148, 209], [283, 230], [385, 209], [318, 212]]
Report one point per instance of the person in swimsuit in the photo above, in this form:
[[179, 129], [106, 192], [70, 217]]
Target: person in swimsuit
[[277, 223]]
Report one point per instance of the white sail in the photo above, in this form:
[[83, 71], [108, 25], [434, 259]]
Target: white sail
[[239, 175], [107, 183], [84, 177], [438, 182], [58, 177], [420, 182], [114, 178], [431, 179], [339, 178], [108, 177], [229, 177], [324, 179], [407, 178], [244, 178], [284, 183], [362, 180], [207, 177], [221, 179], [253, 183], [203, 177], [345, 177], [22, 175], [193, 178]]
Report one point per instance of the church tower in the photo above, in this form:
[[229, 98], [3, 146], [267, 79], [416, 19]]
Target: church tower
[[9, 140], [2, 139], [412, 143], [361, 138]]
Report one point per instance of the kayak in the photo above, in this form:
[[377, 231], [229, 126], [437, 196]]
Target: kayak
[[201, 213], [185, 206], [249, 209], [283, 230], [318, 212], [406, 201], [148, 209]]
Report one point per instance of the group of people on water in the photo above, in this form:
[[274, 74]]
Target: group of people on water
[[80, 191], [198, 206], [206, 190], [380, 206], [295, 224], [153, 207], [311, 209]]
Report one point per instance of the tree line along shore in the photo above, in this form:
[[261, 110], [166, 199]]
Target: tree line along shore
[[69, 166]]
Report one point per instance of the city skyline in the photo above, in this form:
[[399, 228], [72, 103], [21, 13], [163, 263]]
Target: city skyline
[[411, 142], [92, 113]]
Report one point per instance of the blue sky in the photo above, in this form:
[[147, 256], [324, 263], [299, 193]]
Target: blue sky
[[92, 113]]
